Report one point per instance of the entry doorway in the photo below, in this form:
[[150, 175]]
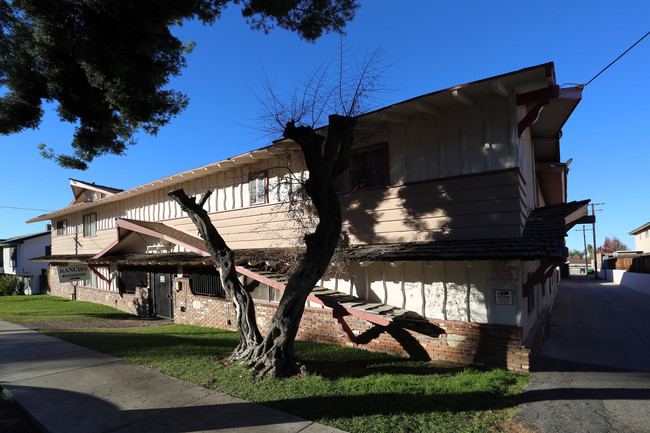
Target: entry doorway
[[162, 294]]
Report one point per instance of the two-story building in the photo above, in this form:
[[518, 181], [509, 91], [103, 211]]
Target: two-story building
[[642, 238], [15, 259], [454, 211]]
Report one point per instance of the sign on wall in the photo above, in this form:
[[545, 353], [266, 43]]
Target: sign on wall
[[503, 297], [68, 274]]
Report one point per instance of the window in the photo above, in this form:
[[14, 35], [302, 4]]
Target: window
[[205, 282], [48, 250], [130, 277], [92, 282], [61, 227], [90, 224], [368, 168], [262, 292], [531, 300], [258, 187]]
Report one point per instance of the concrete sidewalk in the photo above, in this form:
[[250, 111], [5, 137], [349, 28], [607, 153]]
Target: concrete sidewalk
[[67, 388]]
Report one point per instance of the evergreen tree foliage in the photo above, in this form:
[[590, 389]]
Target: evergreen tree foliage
[[107, 63]]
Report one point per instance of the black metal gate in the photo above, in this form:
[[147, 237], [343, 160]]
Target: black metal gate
[[162, 294]]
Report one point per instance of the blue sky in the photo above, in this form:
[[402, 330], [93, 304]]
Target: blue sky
[[432, 45]]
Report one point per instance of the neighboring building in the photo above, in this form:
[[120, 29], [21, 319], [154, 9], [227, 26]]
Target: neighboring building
[[454, 208], [642, 238], [15, 255]]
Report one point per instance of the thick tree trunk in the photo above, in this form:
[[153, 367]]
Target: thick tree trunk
[[249, 335], [326, 159], [275, 355]]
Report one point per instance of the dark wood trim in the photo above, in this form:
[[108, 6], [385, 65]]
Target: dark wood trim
[[539, 98], [99, 274], [443, 179], [540, 276]]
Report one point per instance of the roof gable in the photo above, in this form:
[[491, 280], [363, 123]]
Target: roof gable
[[87, 192]]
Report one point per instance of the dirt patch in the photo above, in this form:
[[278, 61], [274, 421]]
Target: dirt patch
[[511, 426]]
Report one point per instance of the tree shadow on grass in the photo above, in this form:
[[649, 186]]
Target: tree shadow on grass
[[135, 343], [323, 359], [391, 404]]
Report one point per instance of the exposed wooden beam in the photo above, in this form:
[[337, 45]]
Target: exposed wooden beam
[[426, 108], [540, 95], [391, 117], [462, 97], [540, 276], [500, 89]]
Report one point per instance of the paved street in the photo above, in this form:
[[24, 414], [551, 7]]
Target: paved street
[[593, 374]]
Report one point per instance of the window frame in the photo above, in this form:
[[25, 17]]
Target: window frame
[[255, 176], [61, 227], [93, 225], [123, 281], [205, 282], [386, 167]]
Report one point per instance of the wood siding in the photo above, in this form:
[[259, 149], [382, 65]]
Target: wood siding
[[484, 206], [454, 174]]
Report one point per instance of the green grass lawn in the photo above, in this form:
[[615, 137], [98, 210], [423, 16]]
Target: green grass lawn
[[46, 308], [350, 389]]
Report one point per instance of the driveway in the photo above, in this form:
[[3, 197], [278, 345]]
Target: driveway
[[593, 373]]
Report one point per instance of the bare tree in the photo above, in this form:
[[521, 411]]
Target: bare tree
[[224, 261], [326, 152]]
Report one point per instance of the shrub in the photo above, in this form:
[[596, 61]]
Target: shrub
[[11, 285]]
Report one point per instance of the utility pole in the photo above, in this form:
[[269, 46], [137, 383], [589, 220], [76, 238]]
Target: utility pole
[[584, 237], [584, 231], [593, 212]]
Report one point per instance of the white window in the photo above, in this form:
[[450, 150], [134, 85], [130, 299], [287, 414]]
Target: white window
[[90, 228], [258, 185]]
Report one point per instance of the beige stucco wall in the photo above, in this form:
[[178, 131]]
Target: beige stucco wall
[[642, 241]]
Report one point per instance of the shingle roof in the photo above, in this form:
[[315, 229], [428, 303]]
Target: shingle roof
[[22, 238], [543, 238]]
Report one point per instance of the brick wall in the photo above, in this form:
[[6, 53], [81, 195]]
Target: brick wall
[[457, 342], [130, 303], [446, 340]]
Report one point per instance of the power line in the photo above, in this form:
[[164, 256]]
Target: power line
[[616, 59], [24, 208]]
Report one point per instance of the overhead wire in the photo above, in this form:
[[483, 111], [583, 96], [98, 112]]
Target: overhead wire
[[606, 67], [24, 208]]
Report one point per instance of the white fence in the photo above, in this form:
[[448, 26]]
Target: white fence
[[631, 280]]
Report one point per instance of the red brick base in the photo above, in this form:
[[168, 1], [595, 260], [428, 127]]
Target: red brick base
[[457, 342]]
